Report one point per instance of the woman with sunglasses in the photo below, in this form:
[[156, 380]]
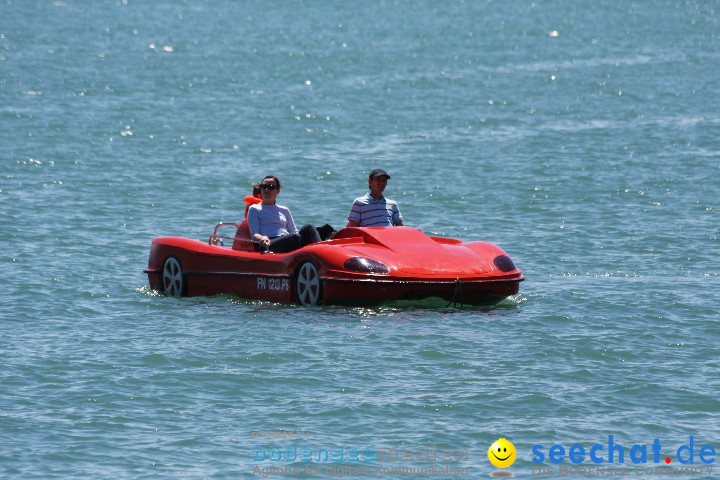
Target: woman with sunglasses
[[272, 225]]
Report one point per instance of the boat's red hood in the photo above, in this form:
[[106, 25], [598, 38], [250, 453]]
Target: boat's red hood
[[409, 252]]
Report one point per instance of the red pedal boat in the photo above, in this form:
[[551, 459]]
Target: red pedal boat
[[358, 266]]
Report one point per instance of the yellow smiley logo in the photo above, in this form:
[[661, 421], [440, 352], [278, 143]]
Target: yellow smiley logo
[[501, 453]]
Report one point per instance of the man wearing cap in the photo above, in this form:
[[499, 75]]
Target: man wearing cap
[[374, 210]]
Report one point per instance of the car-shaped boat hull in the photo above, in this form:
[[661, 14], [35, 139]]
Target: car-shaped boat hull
[[359, 266]]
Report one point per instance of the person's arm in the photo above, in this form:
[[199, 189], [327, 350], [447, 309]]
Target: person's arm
[[254, 224], [262, 239], [290, 222], [354, 215], [397, 217]]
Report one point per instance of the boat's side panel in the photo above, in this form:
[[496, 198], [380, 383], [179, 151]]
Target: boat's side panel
[[342, 291], [214, 270], [274, 288]]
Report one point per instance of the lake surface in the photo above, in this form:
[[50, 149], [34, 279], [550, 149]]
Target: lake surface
[[581, 137]]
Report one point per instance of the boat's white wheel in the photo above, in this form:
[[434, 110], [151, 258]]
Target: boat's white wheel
[[307, 285], [173, 281]]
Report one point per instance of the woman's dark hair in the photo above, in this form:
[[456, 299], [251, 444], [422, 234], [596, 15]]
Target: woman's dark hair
[[277, 180]]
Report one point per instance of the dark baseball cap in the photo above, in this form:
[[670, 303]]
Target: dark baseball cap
[[378, 172]]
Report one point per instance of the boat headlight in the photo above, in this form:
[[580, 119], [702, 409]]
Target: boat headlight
[[504, 263], [365, 265]]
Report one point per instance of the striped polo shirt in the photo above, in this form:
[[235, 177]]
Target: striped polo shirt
[[369, 211]]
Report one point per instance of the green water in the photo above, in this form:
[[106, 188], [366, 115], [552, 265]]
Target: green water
[[581, 137]]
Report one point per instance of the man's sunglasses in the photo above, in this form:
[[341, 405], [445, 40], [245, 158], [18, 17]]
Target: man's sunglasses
[[268, 186]]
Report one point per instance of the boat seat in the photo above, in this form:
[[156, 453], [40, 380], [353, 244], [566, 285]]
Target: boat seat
[[242, 238]]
